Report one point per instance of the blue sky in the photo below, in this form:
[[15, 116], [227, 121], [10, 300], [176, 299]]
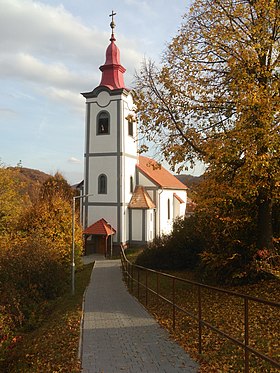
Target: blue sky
[[50, 52]]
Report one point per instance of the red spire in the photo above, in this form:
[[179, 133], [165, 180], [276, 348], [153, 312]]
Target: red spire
[[112, 70]]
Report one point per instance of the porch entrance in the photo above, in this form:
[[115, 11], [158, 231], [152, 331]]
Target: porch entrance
[[99, 238]]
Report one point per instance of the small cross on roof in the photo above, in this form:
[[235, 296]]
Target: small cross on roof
[[112, 24]]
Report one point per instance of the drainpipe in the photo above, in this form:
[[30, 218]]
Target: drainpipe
[[159, 213]]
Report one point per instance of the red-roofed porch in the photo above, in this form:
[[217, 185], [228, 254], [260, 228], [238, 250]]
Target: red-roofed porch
[[98, 238]]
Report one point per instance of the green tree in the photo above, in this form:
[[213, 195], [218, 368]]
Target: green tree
[[216, 98]]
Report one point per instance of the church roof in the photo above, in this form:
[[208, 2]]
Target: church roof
[[158, 174], [101, 227], [141, 199], [178, 198]]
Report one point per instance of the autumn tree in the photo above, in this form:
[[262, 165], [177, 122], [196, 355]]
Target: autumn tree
[[13, 201], [56, 186], [50, 218], [35, 260], [35, 251], [216, 98]]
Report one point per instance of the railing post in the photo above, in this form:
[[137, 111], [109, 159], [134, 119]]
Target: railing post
[[173, 302], [128, 275], [248, 350], [125, 271], [132, 279], [146, 287], [157, 288], [138, 282], [246, 333], [199, 322]]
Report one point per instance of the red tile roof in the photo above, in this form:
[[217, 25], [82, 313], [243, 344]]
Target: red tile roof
[[178, 198], [141, 199], [112, 70], [158, 174], [101, 227]]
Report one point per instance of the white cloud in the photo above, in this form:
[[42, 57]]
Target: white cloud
[[63, 96], [28, 67], [141, 5], [48, 46], [37, 28], [7, 111], [48, 56], [74, 160]]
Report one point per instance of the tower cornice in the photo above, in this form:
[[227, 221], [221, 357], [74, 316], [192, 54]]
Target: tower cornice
[[112, 92]]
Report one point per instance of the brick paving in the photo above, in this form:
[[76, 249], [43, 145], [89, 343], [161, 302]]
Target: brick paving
[[119, 335]]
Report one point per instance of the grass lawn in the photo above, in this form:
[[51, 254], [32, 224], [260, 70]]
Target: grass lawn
[[53, 347], [133, 252]]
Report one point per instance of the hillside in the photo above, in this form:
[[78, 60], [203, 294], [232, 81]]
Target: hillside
[[31, 180], [190, 181]]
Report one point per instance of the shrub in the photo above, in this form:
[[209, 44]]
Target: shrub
[[35, 254], [31, 273], [7, 336], [179, 250]]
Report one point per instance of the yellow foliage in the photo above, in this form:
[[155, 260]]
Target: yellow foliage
[[12, 201], [216, 96]]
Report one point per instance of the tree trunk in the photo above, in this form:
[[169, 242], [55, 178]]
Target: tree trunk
[[264, 223]]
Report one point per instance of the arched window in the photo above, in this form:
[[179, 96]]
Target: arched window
[[103, 123], [168, 208], [102, 184], [130, 120], [130, 127], [131, 184]]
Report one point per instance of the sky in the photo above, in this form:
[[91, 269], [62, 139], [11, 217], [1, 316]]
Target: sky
[[51, 51]]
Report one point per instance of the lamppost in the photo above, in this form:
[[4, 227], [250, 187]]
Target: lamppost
[[111, 241], [73, 240]]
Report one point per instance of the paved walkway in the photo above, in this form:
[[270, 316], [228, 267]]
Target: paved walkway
[[119, 335]]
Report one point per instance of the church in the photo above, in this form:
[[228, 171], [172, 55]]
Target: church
[[130, 199]]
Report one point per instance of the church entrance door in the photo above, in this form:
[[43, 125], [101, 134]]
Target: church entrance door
[[101, 245]]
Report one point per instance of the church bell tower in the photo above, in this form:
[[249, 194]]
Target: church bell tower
[[110, 151]]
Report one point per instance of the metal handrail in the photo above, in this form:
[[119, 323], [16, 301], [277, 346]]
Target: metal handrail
[[129, 270]]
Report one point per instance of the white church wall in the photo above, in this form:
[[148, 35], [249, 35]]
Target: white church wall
[[125, 223], [182, 206], [107, 166], [128, 171], [165, 221], [98, 143], [127, 212], [109, 213], [143, 180], [150, 233], [128, 147], [184, 196], [137, 225], [176, 208], [130, 143]]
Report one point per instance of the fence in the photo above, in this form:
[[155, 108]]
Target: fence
[[139, 276]]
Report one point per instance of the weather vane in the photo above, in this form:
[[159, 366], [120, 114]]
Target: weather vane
[[112, 24]]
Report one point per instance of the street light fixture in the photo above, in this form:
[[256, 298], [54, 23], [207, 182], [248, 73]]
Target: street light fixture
[[73, 240]]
